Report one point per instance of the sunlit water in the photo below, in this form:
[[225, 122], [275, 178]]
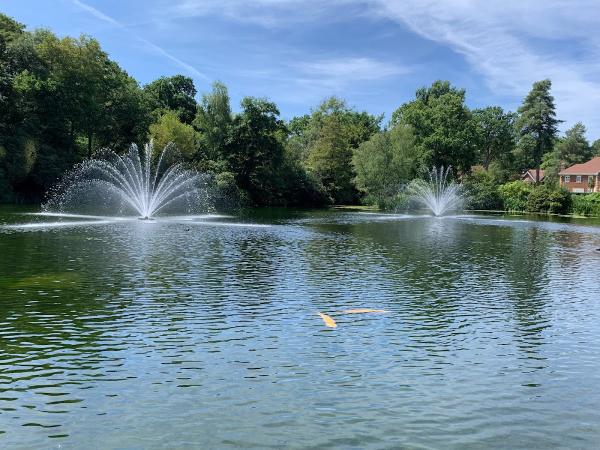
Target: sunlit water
[[202, 332]]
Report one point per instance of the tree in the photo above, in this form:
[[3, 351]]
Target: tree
[[174, 93], [596, 147], [358, 126], [330, 160], [170, 129], [59, 100], [254, 149], [325, 140], [92, 90], [494, 134], [213, 122], [127, 118], [444, 132], [10, 31], [299, 125], [515, 194], [573, 148], [537, 123], [11, 58], [384, 162]]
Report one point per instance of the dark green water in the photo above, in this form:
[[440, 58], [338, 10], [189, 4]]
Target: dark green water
[[204, 334]]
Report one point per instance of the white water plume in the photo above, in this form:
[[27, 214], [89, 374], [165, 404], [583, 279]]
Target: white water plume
[[438, 194], [132, 183]]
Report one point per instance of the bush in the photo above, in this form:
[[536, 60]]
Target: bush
[[226, 194], [545, 199], [6, 193], [514, 195], [397, 202], [559, 201], [482, 192], [586, 204], [382, 164]]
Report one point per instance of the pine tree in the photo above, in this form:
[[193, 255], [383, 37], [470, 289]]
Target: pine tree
[[537, 122]]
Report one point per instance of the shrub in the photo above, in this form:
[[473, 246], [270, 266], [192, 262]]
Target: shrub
[[397, 202], [559, 201], [382, 164], [515, 194], [546, 199], [482, 192], [586, 204], [226, 194]]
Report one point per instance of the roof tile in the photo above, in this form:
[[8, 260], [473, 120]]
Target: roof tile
[[592, 167]]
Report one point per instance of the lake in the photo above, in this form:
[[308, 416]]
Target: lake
[[204, 332]]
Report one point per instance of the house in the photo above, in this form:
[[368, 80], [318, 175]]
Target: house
[[529, 176], [582, 178]]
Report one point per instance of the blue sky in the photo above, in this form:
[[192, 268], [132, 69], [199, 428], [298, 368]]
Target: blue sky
[[373, 53]]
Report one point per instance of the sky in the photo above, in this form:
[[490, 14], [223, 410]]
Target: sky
[[372, 53]]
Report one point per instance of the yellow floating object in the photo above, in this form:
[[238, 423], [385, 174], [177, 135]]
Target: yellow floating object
[[364, 310], [328, 320]]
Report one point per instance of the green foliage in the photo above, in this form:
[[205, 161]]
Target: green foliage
[[300, 187], [63, 98], [226, 193], [174, 93], [482, 191], [596, 148], [574, 148], [60, 100], [494, 135], [91, 88], [169, 129], [330, 160], [441, 122], [213, 121], [514, 195], [325, 141], [543, 198], [9, 29], [586, 204], [383, 163], [537, 124], [249, 149], [546, 199], [254, 149]]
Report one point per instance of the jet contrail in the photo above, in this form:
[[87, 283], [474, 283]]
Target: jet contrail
[[100, 15]]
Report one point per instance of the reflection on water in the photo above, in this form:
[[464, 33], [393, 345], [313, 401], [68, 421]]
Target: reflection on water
[[177, 334]]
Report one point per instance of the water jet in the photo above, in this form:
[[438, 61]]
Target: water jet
[[439, 194], [134, 183]]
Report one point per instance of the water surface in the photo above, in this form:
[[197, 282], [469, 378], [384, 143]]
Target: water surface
[[204, 332]]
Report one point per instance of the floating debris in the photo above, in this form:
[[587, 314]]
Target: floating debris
[[364, 310], [328, 320]]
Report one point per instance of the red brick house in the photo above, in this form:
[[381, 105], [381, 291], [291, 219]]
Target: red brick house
[[582, 178], [529, 176]]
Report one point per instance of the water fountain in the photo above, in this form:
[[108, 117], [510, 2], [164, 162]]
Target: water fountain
[[132, 183], [439, 194]]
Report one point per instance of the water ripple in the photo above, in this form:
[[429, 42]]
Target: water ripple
[[169, 335]]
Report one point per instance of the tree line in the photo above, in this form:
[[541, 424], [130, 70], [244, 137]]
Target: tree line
[[62, 99]]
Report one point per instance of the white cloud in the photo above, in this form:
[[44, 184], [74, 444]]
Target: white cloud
[[513, 43], [267, 13], [311, 81], [351, 69]]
